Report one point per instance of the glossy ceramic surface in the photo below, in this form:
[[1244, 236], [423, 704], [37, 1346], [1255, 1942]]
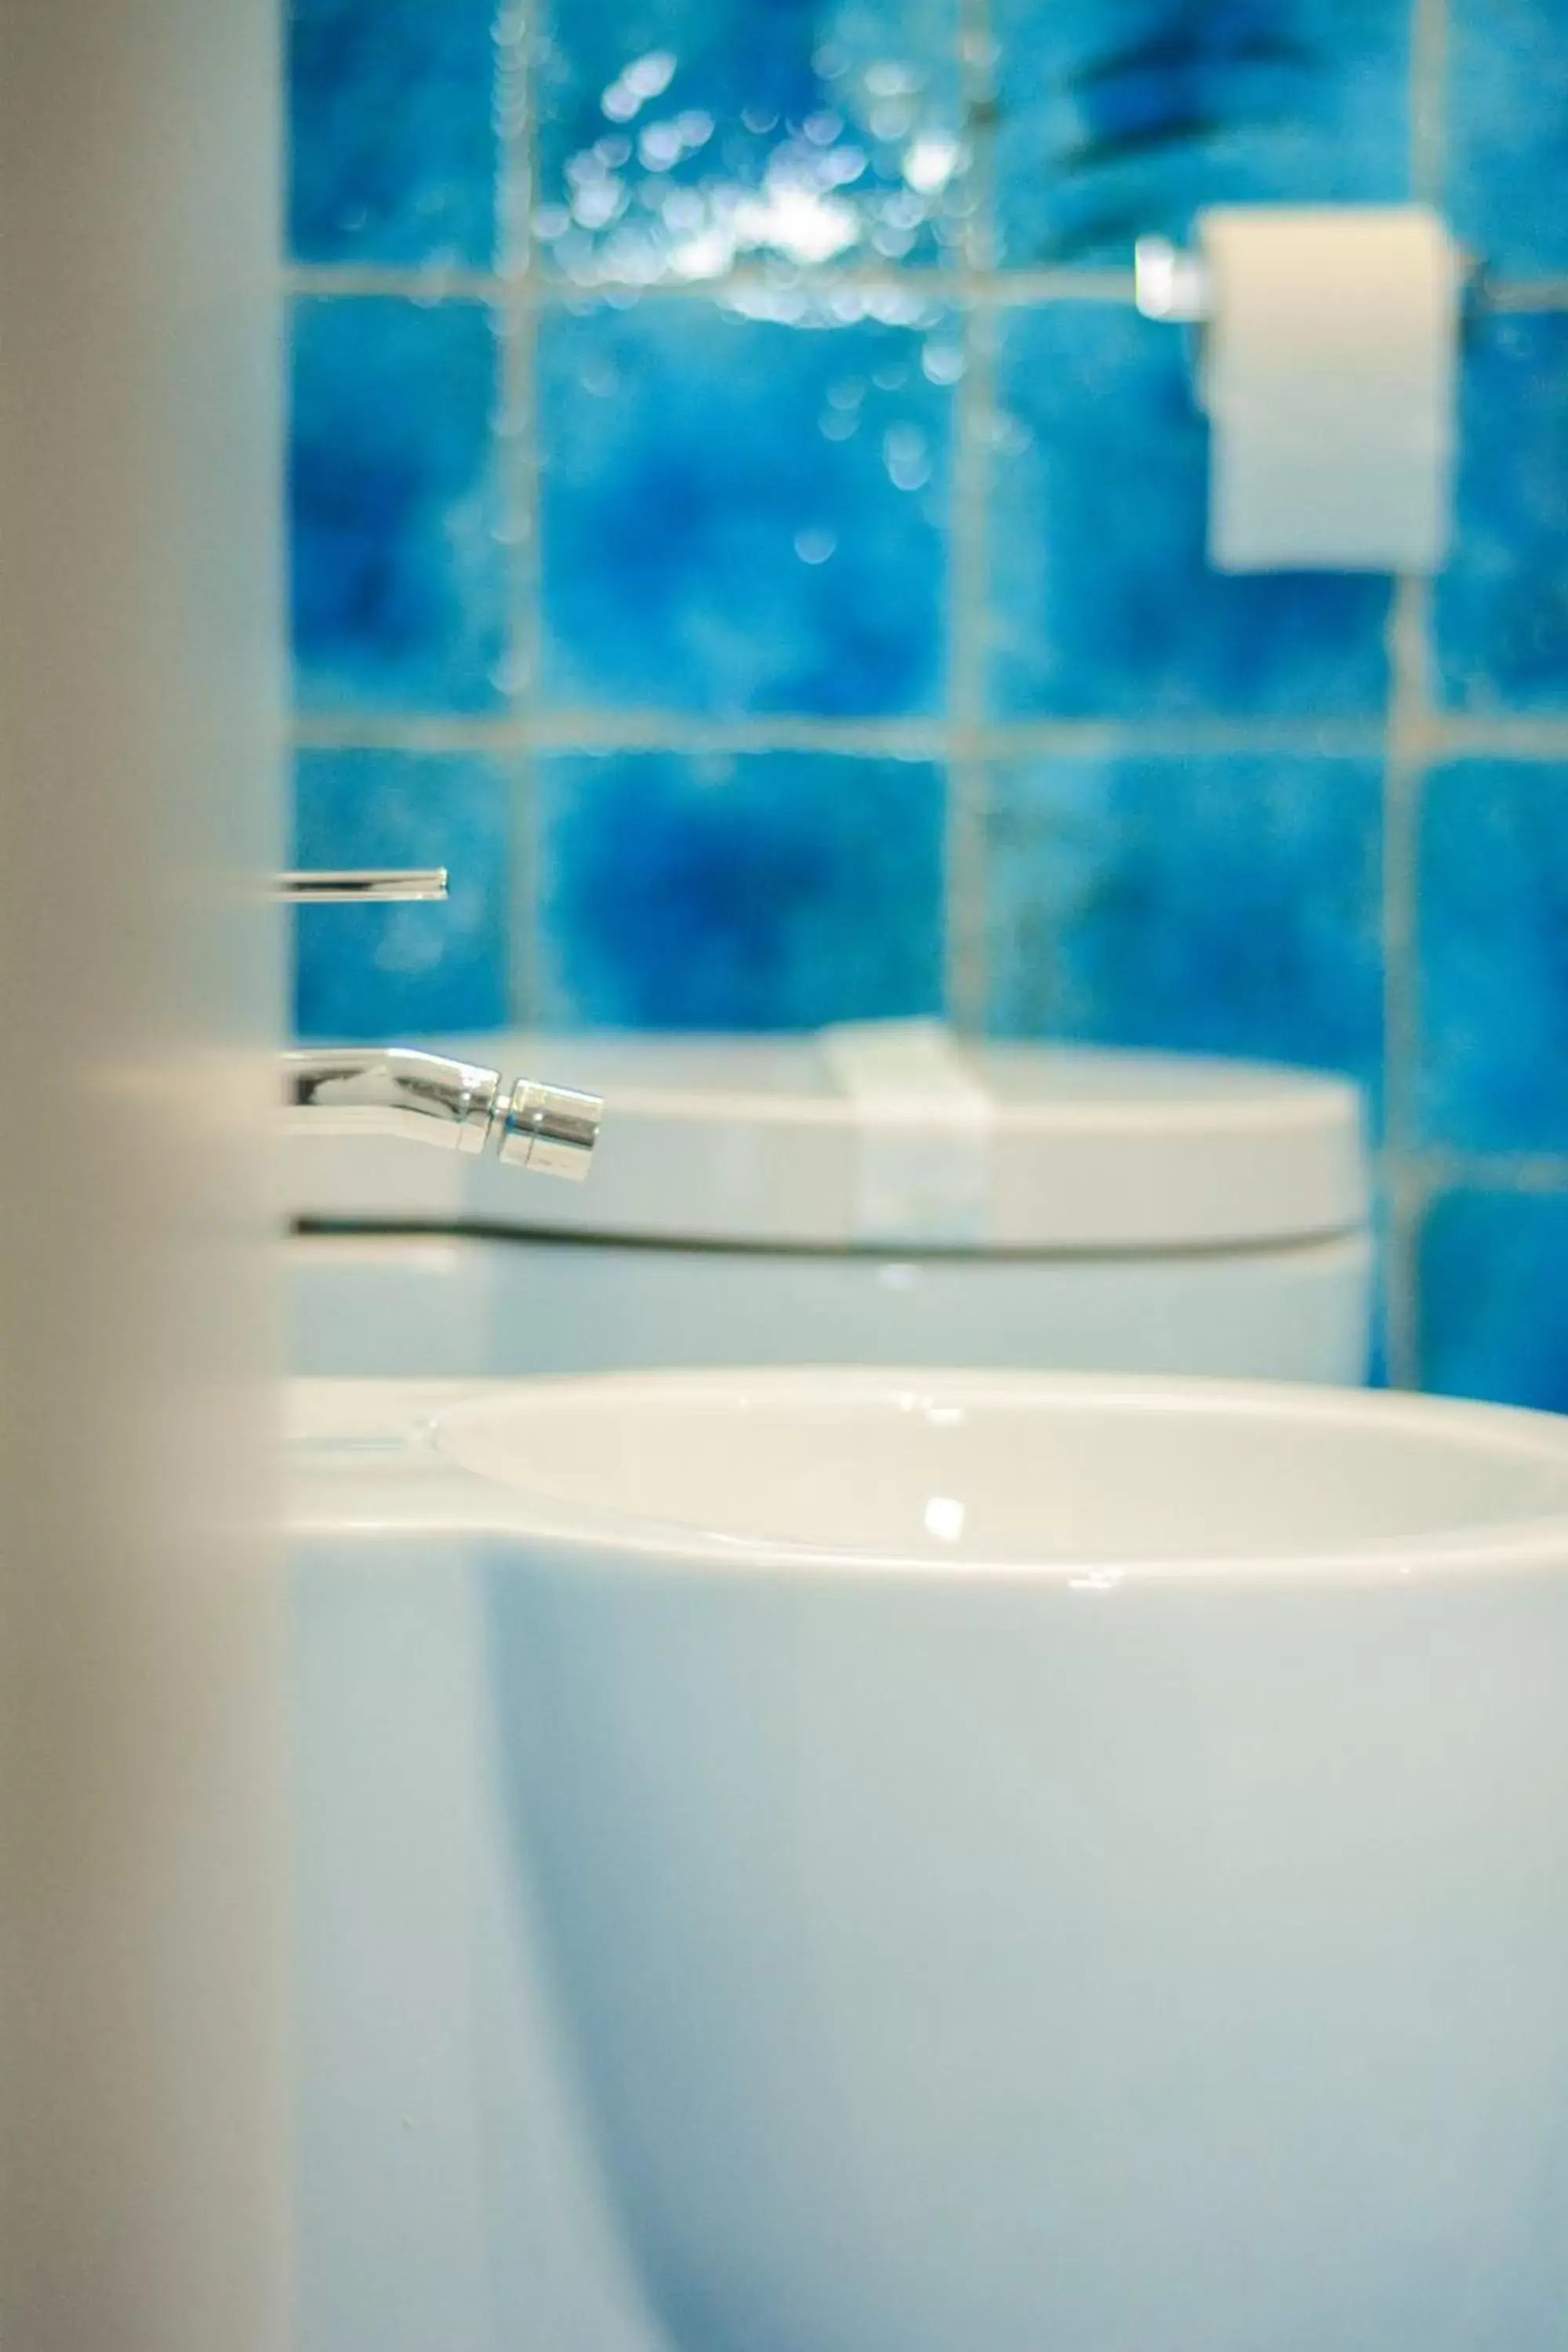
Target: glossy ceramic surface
[[983, 1472], [996, 1860]]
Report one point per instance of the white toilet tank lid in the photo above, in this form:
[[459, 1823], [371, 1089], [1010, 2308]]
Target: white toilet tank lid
[[893, 1135]]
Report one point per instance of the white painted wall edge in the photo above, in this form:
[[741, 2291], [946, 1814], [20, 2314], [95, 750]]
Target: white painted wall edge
[[143, 2061]]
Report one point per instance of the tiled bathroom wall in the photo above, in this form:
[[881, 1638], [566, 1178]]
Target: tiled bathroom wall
[[741, 526]]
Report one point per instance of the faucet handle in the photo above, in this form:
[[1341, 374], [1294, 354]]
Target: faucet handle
[[375, 884]]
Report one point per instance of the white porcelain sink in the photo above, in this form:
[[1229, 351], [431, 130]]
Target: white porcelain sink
[[1043, 1476], [1029, 1861]]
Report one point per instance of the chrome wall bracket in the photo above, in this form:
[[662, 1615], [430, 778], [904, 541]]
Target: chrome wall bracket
[[371, 884]]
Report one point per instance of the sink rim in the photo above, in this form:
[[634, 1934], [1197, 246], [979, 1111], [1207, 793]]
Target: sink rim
[[410, 1428]]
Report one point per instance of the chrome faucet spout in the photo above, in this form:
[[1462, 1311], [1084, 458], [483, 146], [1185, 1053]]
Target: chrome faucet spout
[[431, 1098]]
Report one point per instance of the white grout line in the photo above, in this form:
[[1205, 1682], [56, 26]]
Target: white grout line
[[521, 444], [1402, 787], [513, 123], [939, 286], [959, 289], [1490, 1171], [1426, 739], [414, 731], [1181, 739], [1428, 98], [1411, 737], [893, 739], [965, 903], [601, 732], [323, 280], [1522, 740], [1525, 294]]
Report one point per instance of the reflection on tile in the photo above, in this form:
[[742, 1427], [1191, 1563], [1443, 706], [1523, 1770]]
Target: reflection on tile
[[1117, 118], [1501, 606], [398, 568], [677, 137], [1493, 908], [1221, 904], [1102, 603], [770, 890], [740, 515], [392, 153], [400, 972], [1507, 144], [1494, 1297]]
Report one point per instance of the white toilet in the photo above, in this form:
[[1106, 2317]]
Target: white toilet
[[874, 1195]]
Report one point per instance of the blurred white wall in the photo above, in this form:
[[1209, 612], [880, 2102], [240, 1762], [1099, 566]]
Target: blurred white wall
[[144, 2092]]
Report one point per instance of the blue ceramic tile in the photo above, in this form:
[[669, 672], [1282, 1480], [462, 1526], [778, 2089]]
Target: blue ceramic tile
[[771, 891], [677, 137], [1508, 132], [1226, 906], [392, 151], [1117, 118], [1102, 603], [398, 572], [391, 972], [1493, 913], [740, 515], [1494, 1297], [1502, 607]]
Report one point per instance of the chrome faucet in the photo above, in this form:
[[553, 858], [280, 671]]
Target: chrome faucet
[[429, 1097]]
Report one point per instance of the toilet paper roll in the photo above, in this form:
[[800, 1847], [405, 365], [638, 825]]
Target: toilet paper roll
[[1328, 374]]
